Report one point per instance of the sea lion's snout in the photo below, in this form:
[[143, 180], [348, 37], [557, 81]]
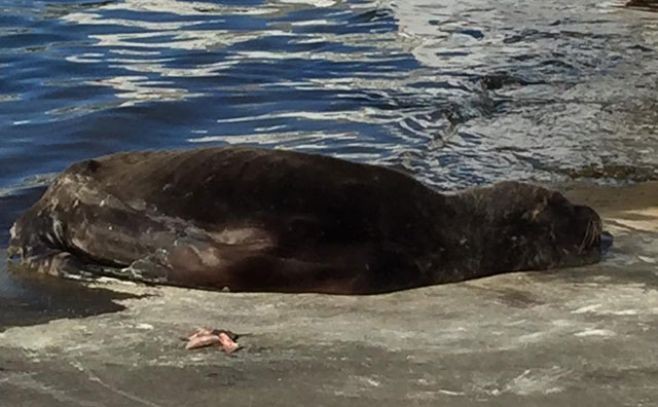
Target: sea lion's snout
[[577, 232], [606, 241], [589, 225]]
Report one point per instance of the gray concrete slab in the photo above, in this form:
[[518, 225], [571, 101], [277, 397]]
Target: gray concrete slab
[[585, 337]]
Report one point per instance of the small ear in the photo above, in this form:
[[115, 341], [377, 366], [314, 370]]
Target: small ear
[[557, 197]]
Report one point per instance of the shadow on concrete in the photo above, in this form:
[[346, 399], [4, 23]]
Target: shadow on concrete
[[604, 274], [34, 299], [647, 5]]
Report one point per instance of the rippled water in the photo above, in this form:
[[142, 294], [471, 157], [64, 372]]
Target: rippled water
[[457, 92]]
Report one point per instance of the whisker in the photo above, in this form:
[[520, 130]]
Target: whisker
[[595, 232], [586, 237]]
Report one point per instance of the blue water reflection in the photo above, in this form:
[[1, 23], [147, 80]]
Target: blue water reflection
[[457, 92]]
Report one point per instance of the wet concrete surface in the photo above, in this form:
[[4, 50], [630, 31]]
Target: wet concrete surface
[[584, 337], [37, 299]]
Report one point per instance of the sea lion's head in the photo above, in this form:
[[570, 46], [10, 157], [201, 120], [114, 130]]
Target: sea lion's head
[[534, 228]]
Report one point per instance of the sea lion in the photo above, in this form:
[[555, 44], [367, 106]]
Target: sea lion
[[248, 219]]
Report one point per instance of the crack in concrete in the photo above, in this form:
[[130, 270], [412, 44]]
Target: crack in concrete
[[26, 381], [93, 378]]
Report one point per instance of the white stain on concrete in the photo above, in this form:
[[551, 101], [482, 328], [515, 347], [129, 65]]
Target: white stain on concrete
[[595, 332], [450, 392], [624, 312], [532, 338], [537, 381], [369, 381], [649, 260], [587, 308]]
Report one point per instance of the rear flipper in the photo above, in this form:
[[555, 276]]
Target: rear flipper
[[89, 241], [78, 231]]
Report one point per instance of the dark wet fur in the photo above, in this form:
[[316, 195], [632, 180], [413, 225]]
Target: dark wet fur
[[262, 220], [651, 5]]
